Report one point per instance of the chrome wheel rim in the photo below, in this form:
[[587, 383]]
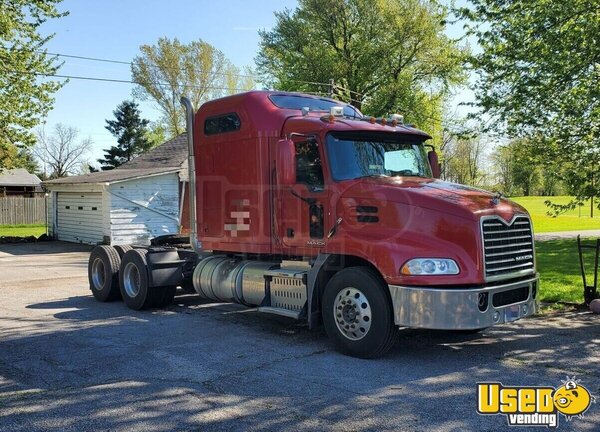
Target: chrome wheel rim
[[131, 280], [98, 274], [352, 313]]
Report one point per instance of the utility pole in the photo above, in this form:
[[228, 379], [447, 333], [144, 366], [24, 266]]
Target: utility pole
[[331, 87]]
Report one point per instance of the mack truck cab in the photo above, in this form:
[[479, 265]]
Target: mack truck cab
[[301, 206]]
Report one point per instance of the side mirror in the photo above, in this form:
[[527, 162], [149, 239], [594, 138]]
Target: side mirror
[[285, 163], [434, 163]]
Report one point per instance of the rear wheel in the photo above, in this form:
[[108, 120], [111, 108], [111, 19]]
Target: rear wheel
[[357, 313], [122, 249], [103, 273], [133, 280]]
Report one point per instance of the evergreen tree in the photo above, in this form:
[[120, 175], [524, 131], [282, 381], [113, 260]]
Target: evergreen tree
[[131, 133]]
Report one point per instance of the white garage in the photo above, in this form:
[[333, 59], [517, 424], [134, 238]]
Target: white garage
[[132, 204], [79, 217]]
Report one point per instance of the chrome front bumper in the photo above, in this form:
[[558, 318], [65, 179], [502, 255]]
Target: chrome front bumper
[[459, 308]]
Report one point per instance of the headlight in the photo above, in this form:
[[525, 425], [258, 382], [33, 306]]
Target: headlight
[[430, 266]]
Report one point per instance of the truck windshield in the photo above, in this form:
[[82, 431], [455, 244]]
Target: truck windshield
[[354, 155]]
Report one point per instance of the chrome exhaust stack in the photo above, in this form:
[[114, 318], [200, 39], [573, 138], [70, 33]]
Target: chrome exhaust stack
[[189, 124]]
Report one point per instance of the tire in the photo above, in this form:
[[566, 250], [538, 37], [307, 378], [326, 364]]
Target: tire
[[122, 249], [360, 298], [133, 281], [103, 273]]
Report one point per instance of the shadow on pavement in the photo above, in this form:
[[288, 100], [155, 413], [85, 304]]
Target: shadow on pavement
[[206, 366]]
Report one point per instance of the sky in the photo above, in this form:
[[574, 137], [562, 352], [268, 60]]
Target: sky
[[115, 30]]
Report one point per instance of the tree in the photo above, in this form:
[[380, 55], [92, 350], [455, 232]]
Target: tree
[[25, 97], [389, 56], [169, 69], [156, 134], [61, 153], [538, 75], [131, 133], [463, 153], [503, 164]]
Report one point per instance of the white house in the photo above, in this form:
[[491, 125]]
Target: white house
[[132, 204]]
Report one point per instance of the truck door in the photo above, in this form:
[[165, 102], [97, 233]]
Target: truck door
[[302, 207]]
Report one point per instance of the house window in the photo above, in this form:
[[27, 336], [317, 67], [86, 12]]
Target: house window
[[222, 123]]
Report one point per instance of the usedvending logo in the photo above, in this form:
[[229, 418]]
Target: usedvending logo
[[534, 406]]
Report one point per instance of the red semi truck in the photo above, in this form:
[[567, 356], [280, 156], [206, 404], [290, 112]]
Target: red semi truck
[[303, 207]]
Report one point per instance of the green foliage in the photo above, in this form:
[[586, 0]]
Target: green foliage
[[131, 133], [521, 169], [463, 149], [170, 69], [22, 230], [24, 97], [156, 134], [539, 76], [389, 56]]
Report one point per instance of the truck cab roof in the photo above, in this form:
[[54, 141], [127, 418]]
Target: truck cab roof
[[270, 110]]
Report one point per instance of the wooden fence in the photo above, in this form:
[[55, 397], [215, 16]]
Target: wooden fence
[[16, 210]]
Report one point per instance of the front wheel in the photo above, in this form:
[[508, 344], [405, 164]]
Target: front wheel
[[357, 313]]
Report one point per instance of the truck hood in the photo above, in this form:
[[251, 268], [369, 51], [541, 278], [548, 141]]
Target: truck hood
[[438, 195]]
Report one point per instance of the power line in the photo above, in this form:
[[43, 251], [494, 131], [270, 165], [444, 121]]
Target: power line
[[131, 63], [113, 80]]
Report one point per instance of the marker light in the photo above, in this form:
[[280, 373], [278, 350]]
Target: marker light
[[383, 122], [430, 266], [372, 120], [398, 117], [336, 111]]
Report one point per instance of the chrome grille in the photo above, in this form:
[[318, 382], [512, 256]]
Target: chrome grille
[[508, 248]]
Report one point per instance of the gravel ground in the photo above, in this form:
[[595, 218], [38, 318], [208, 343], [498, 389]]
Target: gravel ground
[[69, 363]]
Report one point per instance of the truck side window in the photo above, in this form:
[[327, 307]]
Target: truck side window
[[223, 123], [308, 164]]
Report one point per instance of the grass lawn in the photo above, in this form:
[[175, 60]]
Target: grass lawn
[[22, 230], [568, 221], [558, 264]]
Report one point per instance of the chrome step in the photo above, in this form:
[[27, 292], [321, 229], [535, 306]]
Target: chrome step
[[280, 311]]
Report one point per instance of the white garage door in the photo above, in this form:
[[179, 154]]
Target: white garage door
[[79, 217]]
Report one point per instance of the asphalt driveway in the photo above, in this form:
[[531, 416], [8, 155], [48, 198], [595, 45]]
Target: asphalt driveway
[[70, 363]]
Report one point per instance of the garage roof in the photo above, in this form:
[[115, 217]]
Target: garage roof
[[18, 177], [167, 157], [112, 176], [172, 153]]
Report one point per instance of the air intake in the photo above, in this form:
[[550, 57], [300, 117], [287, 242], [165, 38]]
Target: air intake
[[508, 248]]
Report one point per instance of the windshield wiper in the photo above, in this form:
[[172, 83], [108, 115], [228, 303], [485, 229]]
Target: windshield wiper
[[373, 176], [407, 173]]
